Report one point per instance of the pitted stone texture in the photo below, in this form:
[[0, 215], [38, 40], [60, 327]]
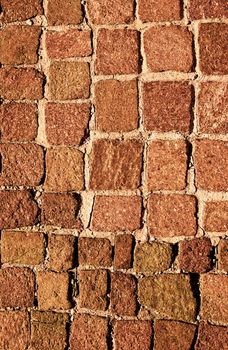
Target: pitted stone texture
[[110, 11], [116, 105], [22, 248], [19, 44], [116, 164], [123, 294], [168, 49], [18, 122], [70, 43], [216, 216], [213, 48], [223, 255], [60, 209], [61, 249], [117, 52], [66, 123], [48, 330], [172, 215], [22, 164], [152, 257], [213, 108], [94, 251], [93, 289], [211, 164], [113, 213], [173, 335], [14, 325], [21, 83], [167, 165], [211, 337], [200, 9], [214, 302], [89, 332], [158, 11], [134, 335], [17, 209], [68, 80], [16, 287], [64, 170], [162, 110], [20, 10], [53, 290], [123, 256], [195, 255], [70, 13], [169, 296]]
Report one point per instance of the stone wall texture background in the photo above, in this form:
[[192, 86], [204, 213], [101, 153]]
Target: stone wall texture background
[[113, 175]]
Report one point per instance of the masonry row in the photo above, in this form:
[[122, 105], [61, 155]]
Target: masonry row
[[111, 12], [61, 252], [44, 330], [166, 106], [168, 215], [166, 48], [116, 165]]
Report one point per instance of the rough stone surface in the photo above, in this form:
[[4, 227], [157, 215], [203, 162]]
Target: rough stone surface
[[21, 83], [172, 215], [200, 9], [20, 10], [155, 294], [168, 49], [19, 44], [158, 11], [167, 165], [16, 287], [110, 11], [213, 108], [70, 13], [134, 335], [53, 290], [117, 52], [22, 165], [123, 294], [14, 325], [61, 249], [223, 255], [22, 248], [211, 337], [211, 165], [116, 164], [94, 251], [152, 257], [162, 110], [17, 209], [216, 216], [213, 48], [64, 169], [60, 209], [48, 330], [214, 302], [69, 80], [195, 255], [113, 213], [89, 333], [123, 251], [66, 123], [93, 289], [18, 122], [70, 43], [173, 335], [116, 105]]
